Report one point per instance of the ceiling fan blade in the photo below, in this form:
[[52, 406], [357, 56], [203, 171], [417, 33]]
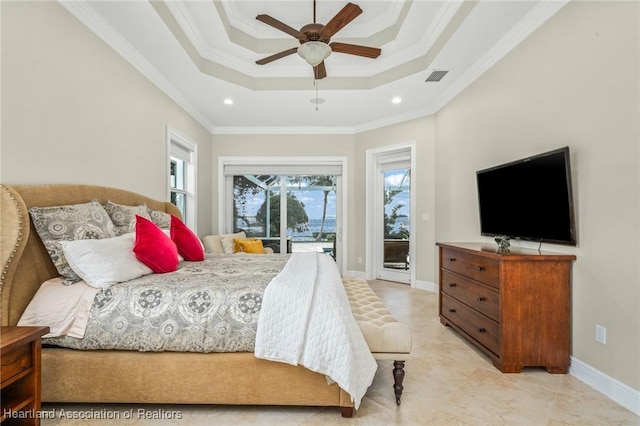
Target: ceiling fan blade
[[342, 18], [319, 71], [277, 56], [279, 25], [354, 49]]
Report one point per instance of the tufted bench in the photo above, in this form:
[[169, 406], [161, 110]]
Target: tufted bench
[[387, 338]]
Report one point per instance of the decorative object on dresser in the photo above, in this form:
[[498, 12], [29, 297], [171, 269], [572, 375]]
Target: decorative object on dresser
[[514, 306], [20, 358]]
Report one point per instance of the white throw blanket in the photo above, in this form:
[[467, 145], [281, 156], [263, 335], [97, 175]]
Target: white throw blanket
[[306, 319]]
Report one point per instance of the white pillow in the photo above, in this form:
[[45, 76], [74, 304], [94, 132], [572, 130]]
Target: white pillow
[[212, 244], [101, 263], [228, 243], [62, 308]]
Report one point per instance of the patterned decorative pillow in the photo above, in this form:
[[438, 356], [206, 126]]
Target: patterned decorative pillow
[[72, 222], [161, 219], [124, 217]]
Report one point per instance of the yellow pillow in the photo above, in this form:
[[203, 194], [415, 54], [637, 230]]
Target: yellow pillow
[[236, 243], [251, 246]]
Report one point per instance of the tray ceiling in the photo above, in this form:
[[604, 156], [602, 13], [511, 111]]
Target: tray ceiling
[[202, 53]]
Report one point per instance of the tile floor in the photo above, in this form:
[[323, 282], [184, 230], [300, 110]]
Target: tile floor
[[447, 382]]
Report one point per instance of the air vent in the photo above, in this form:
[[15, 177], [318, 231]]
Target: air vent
[[436, 76]]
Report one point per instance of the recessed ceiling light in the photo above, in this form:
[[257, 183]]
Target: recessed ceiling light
[[396, 100], [228, 101]]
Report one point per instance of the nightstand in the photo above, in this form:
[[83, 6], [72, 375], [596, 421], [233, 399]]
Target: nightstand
[[20, 374]]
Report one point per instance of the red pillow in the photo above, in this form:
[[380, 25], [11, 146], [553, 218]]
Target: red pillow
[[188, 243], [154, 248]]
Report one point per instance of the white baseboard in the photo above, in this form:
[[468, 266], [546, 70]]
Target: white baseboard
[[624, 395], [355, 274], [420, 285], [427, 286]]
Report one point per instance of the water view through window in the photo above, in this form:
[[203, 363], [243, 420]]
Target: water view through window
[[397, 224], [309, 211]]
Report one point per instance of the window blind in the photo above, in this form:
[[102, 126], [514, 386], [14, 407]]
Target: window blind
[[180, 152], [283, 169]]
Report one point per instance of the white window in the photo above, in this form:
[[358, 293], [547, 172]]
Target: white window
[[182, 154], [311, 219]]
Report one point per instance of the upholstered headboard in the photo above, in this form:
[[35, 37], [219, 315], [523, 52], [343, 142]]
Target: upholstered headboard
[[25, 262]]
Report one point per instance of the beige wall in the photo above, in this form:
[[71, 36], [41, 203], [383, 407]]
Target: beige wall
[[574, 82], [74, 111]]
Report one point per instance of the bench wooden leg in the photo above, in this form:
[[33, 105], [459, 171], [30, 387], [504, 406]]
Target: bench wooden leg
[[398, 377]]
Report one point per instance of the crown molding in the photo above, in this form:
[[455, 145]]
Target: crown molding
[[244, 37], [294, 77], [92, 20], [278, 130], [446, 13], [542, 12], [345, 130], [374, 24]]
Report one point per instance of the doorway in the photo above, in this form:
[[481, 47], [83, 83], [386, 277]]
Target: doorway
[[390, 213]]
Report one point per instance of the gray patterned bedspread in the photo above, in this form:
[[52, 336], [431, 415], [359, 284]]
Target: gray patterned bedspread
[[208, 306]]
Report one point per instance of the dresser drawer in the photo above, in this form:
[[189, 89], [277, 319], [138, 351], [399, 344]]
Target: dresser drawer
[[16, 361], [482, 329], [480, 268], [482, 298]]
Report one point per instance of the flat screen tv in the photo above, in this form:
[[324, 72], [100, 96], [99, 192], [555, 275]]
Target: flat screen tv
[[529, 199]]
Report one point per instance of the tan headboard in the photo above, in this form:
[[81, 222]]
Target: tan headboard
[[26, 263]]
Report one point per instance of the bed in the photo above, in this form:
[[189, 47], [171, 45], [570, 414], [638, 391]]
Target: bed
[[126, 376]]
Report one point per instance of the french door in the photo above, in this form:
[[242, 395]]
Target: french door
[[390, 214], [394, 251], [289, 206]]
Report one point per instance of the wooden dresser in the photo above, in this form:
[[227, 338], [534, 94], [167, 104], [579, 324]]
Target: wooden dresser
[[20, 359], [515, 306]]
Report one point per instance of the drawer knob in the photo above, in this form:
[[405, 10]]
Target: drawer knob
[[452, 284], [480, 268], [481, 298], [482, 330], [452, 259], [453, 311]]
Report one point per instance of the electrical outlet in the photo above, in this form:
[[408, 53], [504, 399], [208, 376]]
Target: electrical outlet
[[601, 334]]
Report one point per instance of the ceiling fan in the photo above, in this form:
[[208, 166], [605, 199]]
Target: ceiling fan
[[314, 39]]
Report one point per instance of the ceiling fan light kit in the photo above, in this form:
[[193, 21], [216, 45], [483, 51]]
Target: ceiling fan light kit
[[314, 40], [314, 52]]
